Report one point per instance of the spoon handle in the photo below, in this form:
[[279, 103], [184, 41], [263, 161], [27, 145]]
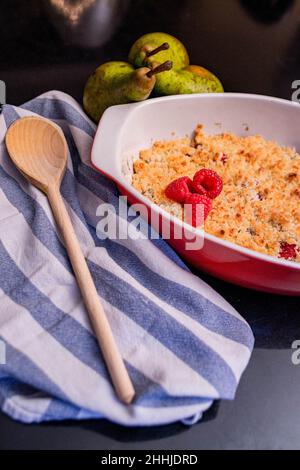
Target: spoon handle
[[111, 354]]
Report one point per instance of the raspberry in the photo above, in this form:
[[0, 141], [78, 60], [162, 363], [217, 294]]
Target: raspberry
[[178, 190], [288, 251], [197, 188], [208, 183], [200, 207]]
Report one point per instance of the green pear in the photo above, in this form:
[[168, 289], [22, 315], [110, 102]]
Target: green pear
[[191, 79], [176, 52], [118, 83], [183, 78]]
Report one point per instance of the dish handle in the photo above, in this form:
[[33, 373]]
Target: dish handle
[[105, 148]]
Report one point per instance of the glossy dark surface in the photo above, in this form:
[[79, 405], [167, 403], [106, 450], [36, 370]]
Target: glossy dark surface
[[253, 46]]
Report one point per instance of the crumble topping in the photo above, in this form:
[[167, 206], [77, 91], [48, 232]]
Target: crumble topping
[[259, 207]]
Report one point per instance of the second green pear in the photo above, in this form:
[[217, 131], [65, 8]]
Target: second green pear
[[191, 79]]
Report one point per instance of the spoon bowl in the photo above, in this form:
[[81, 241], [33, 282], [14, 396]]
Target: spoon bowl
[[39, 149]]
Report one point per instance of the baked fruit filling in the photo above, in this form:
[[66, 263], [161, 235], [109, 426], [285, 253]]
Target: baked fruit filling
[[249, 188]]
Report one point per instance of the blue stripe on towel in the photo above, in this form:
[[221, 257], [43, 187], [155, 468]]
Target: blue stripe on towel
[[10, 114], [18, 368], [59, 109], [63, 409]]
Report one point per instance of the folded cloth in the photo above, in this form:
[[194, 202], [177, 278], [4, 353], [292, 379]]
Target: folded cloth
[[183, 345]]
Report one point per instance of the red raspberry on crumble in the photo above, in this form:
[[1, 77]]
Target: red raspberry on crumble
[[208, 183], [197, 208], [178, 190], [288, 251]]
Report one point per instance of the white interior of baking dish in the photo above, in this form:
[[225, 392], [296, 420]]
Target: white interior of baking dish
[[174, 117]]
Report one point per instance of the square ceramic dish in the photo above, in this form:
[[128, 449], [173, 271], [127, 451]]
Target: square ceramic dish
[[124, 130]]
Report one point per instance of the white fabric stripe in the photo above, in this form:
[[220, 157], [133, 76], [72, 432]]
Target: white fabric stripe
[[34, 405], [135, 345], [2, 127], [20, 330], [20, 413]]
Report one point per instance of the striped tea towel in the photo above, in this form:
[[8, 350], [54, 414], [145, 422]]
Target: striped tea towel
[[183, 344]]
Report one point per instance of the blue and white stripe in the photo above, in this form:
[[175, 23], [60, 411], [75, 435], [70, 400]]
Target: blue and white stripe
[[183, 344]]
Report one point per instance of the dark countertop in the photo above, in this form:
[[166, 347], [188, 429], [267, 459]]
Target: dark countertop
[[253, 46]]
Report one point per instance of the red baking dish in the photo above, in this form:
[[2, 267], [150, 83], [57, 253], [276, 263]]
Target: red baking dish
[[124, 130]]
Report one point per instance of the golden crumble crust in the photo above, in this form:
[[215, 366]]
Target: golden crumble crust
[[259, 206]]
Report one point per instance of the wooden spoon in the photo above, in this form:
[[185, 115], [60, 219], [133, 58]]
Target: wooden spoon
[[39, 150]]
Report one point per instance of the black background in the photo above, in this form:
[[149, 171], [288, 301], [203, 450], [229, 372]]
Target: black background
[[253, 46]]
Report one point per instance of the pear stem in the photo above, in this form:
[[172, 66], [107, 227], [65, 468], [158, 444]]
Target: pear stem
[[160, 68], [163, 47]]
